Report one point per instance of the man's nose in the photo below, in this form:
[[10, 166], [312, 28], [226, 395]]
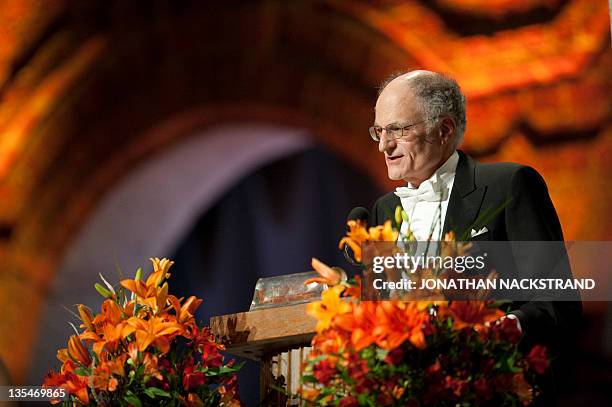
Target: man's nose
[[385, 143]]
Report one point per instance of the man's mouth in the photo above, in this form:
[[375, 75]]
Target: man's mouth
[[393, 158]]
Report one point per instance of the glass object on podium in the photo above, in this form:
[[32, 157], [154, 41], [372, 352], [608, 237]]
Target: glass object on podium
[[276, 331], [286, 290]]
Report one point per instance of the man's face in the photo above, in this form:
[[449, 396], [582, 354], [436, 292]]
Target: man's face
[[415, 156]]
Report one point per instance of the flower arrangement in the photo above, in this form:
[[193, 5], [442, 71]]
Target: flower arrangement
[[413, 353], [144, 348]]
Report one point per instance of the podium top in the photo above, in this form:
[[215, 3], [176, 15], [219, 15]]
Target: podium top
[[254, 334]]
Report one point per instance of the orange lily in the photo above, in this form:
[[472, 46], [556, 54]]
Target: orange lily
[[309, 393], [73, 384], [360, 323], [330, 276], [157, 301], [356, 235], [78, 387], [162, 265], [103, 379], [357, 231], [133, 352], [330, 341], [150, 363], [86, 316], [77, 351], [156, 330], [399, 321], [145, 289], [228, 397], [111, 314], [186, 311], [104, 374], [472, 313], [111, 336], [62, 355], [522, 389], [426, 304], [109, 326], [384, 233], [160, 297], [68, 367], [193, 400], [329, 306]]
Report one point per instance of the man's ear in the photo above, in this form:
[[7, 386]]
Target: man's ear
[[447, 129]]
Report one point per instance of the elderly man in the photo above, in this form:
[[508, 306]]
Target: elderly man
[[420, 122]]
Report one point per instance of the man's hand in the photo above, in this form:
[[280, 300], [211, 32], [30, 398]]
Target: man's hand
[[514, 317], [508, 316]]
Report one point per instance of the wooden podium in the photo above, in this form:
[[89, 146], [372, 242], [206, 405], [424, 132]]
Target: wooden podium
[[278, 338]]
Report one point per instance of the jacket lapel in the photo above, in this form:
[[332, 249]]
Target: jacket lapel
[[465, 200]]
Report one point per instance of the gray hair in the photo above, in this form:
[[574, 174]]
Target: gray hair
[[440, 96]]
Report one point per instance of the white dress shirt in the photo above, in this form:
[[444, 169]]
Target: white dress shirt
[[426, 205]]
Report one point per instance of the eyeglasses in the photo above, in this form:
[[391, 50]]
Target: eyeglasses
[[393, 131]]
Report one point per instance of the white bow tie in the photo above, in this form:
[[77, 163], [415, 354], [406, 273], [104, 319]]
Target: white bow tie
[[427, 191]]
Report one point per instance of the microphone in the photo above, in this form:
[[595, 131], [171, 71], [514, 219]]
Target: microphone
[[361, 214]]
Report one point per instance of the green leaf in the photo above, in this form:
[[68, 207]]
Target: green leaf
[[81, 371], [279, 389], [309, 379], [132, 399], [222, 370], [381, 354], [103, 291], [368, 353], [362, 399], [140, 370], [506, 364], [317, 359], [154, 392], [227, 369]]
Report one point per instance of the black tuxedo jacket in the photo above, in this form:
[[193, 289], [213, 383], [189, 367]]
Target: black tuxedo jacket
[[512, 201]]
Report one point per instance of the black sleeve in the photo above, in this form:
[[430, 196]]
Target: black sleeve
[[531, 216]]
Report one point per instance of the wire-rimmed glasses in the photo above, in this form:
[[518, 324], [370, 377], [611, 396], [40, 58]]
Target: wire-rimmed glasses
[[394, 131]]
